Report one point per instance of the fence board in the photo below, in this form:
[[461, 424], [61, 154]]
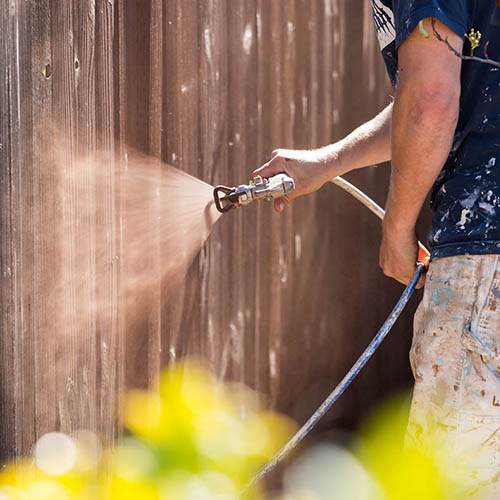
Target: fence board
[[9, 152], [284, 303]]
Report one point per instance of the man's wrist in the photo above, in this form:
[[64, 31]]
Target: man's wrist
[[399, 221], [336, 159]]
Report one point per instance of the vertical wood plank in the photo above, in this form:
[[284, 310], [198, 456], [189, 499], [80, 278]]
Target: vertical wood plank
[[183, 150], [156, 47], [213, 29], [265, 355], [110, 335], [40, 254], [73, 56], [10, 292], [241, 92]]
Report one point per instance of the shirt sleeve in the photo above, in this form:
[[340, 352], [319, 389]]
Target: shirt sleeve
[[408, 13]]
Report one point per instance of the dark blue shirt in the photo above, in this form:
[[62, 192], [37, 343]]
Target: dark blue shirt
[[466, 196]]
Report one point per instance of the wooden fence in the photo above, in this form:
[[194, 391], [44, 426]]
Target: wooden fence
[[284, 303]]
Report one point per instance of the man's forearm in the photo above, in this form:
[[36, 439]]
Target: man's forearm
[[423, 124], [369, 144]]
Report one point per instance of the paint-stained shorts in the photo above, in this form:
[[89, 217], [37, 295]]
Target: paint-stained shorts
[[455, 358]]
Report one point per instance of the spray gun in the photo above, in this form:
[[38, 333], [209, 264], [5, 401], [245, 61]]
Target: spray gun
[[227, 198]]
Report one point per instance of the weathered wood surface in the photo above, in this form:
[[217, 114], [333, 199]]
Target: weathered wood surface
[[284, 303]]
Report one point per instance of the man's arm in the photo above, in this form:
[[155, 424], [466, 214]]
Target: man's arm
[[423, 124], [367, 145]]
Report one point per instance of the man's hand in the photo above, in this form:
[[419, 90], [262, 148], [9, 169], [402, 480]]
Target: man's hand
[[399, 253], [309, 169]]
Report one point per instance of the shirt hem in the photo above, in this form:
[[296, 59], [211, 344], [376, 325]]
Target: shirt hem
[[489, 247]]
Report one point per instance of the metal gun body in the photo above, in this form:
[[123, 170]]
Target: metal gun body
[[227, 198]]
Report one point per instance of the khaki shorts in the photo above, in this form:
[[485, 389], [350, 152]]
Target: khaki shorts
[[455, 358]]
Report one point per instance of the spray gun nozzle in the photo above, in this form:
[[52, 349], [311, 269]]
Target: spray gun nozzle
[[227, 198]]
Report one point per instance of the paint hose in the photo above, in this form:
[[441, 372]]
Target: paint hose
[[423, 261]]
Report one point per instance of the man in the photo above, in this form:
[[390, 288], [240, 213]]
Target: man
[[441, 132]]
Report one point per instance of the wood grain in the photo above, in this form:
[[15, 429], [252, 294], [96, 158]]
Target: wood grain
[[284, 303]]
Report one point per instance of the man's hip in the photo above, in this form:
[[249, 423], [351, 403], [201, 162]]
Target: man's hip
[[455, 359]]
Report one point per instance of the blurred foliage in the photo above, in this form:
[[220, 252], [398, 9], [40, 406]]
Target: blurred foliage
[[192, 438], [403, 469], [379, 465]]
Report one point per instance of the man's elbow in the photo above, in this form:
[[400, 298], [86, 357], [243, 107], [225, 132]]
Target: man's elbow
[[431, 102]]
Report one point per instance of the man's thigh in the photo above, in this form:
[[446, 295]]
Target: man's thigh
[[455, 359]]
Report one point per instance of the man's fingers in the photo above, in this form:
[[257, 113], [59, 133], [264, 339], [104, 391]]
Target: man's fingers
[[276, 165], [280, 203], [267, 170], [392, 271], [421, 282], [403, 279]]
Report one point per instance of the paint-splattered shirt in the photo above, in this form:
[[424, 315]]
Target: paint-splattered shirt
[[466, 196]]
